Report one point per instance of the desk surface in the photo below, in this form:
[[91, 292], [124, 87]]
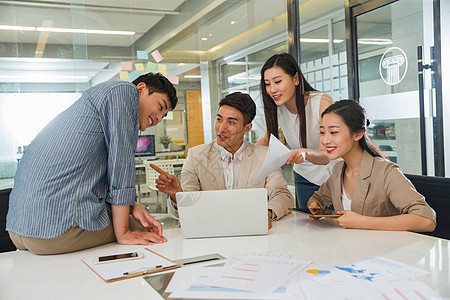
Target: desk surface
[[27, 276]]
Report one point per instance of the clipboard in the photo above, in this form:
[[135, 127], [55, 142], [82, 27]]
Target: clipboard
[[152, 262]]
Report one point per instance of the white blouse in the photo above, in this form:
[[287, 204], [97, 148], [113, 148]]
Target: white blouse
[[346, 202], [290, 124]]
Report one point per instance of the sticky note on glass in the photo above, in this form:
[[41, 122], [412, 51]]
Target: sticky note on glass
[[126, 66], [139, 67], [151, 67], [157, 56], [174, 79], [123, 75], [133, 76], [142, 54], [162, 69]]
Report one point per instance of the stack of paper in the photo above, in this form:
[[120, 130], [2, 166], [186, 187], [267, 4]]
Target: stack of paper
[[368, 278], [279, 276], [244, 276]]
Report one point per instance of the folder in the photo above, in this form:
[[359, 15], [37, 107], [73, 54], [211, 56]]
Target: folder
[[151, 263]]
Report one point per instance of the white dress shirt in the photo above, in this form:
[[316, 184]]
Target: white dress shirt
[[231, 165]]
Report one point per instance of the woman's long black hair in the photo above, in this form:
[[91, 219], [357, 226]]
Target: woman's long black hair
[[290, 66], [354, 116]]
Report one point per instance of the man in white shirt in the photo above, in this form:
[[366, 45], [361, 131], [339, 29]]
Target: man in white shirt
[[229, 162]]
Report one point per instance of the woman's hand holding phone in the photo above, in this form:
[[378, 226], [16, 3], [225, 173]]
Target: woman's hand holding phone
[[315, 211], [314, 207]]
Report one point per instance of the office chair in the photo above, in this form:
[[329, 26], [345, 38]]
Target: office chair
[[152, 175], [5, 242], [436, 191]]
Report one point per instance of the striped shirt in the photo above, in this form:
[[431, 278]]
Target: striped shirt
[[83, 159]]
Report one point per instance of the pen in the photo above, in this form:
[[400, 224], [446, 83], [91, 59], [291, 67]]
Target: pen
[[148, 271], [199, 261]]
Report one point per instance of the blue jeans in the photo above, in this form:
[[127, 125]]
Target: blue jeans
[[303, 190]]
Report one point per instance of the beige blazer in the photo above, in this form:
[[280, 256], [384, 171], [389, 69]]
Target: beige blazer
[[203, 171], [381, 190]]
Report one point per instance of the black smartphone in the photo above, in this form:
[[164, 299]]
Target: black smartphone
[[323, 212]]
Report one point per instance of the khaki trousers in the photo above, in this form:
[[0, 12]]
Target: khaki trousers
[[74, 239]]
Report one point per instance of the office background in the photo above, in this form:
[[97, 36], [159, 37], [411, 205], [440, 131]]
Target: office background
[[51, 51]]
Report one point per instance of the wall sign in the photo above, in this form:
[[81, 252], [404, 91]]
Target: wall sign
[[393, 63]]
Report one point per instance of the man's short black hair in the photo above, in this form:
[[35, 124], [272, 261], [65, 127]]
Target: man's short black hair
[[157, 83], [242, 102]]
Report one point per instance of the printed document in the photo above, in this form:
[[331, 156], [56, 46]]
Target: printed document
[[257, 273], [245, 276], [276, 157], [401, 290]]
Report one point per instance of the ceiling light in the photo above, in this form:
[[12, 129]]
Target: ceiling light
[[19, 28], [237, 63], [73, 30], [254, 77], [117, 57], [192, 76], [311, 40], [44, 78], [375, 41], [204, 38], [233, 22], [65, 30]]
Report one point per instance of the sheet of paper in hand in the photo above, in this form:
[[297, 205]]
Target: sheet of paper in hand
[[276, 157]]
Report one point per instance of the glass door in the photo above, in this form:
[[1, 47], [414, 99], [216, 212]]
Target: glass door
[[393, 46]]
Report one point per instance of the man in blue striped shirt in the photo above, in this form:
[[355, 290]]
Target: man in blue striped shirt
[[81, 164]]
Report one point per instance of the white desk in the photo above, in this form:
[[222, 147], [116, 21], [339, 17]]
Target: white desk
[[27, 276]]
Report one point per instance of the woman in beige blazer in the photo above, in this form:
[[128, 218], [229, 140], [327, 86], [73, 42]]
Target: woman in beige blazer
[[368, 190]]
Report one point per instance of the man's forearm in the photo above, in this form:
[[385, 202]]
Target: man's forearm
[[120, 219]]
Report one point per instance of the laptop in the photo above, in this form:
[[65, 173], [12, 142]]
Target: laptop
[[223, 213]]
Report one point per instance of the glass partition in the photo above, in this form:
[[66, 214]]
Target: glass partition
[[388, 38], [51, 52], [323, 56]]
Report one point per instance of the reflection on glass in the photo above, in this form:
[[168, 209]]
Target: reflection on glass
[[314, 44], [256, 60], [324, 59], [259, 123], [234, 73], [377, 32], [387, 52]]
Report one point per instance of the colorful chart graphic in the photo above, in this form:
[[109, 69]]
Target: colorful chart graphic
[[315, 271], [359, 273]]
